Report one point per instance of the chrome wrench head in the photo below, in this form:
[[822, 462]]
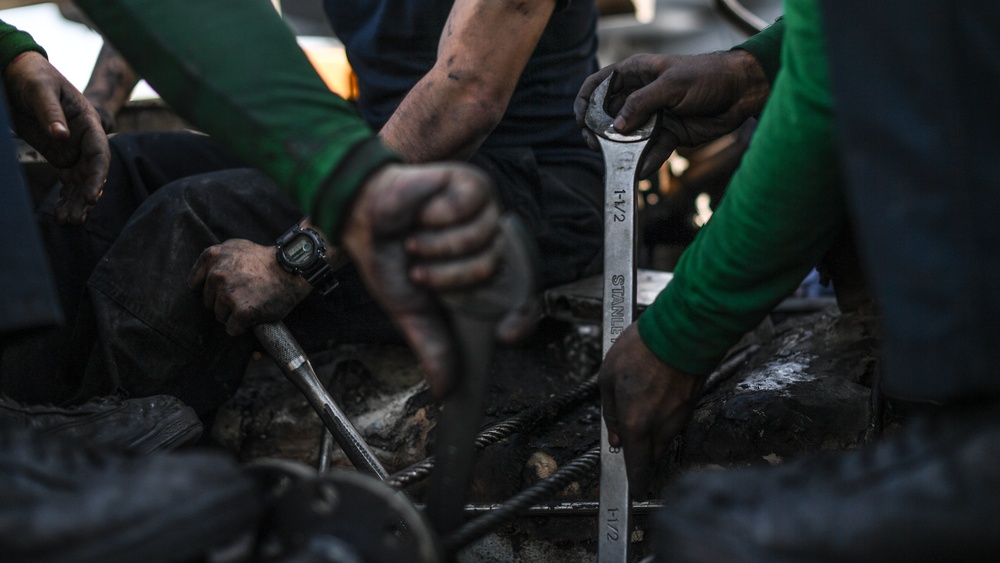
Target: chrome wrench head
[[603, 125]]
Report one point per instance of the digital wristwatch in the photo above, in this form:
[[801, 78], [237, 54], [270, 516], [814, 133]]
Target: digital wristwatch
[[301, 251]]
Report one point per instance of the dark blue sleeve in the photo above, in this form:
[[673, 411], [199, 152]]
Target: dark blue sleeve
[[28, 296]]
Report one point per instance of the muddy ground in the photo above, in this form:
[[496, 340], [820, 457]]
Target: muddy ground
[[800, 384]]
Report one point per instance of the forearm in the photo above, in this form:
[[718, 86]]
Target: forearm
[[766, 48], [481, 55], [256, 92], [418, 132], [111, 83], [781, 212]]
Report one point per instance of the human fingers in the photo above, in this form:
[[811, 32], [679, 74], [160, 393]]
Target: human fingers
[[430, 338], [222, 308], [461, 198], [210, 278], [460, 240], [91, 169], [76, 200], [83, 158], [457, 273], [609, 404], [636, 424], [398, 195], [638, 449], [520, 322], [42, 93], [657, 152], [643, 103], [196, 278], [71, 208], [240, 320], [591, 139]]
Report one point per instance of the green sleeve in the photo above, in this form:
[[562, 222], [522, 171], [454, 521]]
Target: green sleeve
[[13, 42], [233, 69], [766, 48], [782, 210]]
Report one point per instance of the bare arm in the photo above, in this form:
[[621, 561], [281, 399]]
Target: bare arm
[[484, 47], [110, 85]]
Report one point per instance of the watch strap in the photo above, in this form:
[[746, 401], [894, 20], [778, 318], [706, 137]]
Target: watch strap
[[322, 278]]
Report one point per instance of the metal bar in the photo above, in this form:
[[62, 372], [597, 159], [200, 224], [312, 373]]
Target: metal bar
[[474, 315], [620, 160], [578, 508], [510, 509], [454, 446], [517, 423], [292, 360]]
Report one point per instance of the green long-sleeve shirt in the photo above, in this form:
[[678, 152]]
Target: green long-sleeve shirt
[[233, 68], [13, 42], [783, 208]]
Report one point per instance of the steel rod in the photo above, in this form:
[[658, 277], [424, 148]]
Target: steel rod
[[291, 359]]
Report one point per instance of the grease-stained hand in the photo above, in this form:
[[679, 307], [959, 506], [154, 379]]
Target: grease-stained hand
[[243, 284], [645, 402], [701, 97], [415, 231], [58, 121]]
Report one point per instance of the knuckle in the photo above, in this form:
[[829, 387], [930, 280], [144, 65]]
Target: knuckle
[[215, 278]]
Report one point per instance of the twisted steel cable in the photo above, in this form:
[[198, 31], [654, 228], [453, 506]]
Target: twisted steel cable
[[517, 423], [523, 500]]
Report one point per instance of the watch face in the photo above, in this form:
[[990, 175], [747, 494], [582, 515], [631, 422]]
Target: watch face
[[300, 251]]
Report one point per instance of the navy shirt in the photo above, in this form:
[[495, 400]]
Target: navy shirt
[[392, 44]]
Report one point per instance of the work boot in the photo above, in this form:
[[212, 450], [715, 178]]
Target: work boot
[[930, 493], [62, 503], [138, 426]]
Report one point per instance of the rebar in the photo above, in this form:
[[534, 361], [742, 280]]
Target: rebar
[[517, 423], [523, 500]]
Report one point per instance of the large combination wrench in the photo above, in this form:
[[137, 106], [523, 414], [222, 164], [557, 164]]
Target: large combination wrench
[[621, 158]]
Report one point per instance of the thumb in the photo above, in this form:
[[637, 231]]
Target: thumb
[[430, 337], [49, 112], [396, 208]]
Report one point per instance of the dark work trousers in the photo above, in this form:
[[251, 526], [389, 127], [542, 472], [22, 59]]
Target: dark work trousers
[[916, 87], [139, 329]]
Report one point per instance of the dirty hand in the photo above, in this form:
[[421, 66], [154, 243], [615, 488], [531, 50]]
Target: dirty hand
[[415, 231], [245, 286], [702, 97], [645, 402], [58, 121]]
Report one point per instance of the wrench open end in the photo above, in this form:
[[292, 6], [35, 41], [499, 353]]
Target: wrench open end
[[603, 125]]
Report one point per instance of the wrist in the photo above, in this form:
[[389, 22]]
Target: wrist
[[754, 86], [302, 252], [15, 43], [18, 60]]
